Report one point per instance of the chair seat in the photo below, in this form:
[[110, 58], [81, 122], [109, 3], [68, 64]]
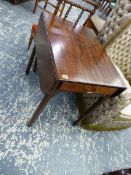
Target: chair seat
[[34, 29]]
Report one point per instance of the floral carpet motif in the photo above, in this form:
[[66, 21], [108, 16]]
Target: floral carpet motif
[[52, 146]]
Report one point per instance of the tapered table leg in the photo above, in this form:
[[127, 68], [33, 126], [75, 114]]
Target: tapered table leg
[[35, 65], [89, 111], [39, 109]]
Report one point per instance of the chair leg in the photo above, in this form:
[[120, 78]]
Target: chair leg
[[63, 7], [36, 5], [102, 8], [107, 14], [101, 4], [30, 61], [30, 41], [35, 65], [45, 4]]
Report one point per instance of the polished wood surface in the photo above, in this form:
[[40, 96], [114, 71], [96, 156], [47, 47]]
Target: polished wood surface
[[71, 59], [59, 8], [78, 54]]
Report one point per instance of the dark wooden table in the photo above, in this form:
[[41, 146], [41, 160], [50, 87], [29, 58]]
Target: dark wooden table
[[72, 59]]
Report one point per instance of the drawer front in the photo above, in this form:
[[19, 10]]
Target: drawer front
[[77, 87]]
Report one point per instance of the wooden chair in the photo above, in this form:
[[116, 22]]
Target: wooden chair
[[119, 172], [104, 3], [110, 7], [72, 4], [46, 2], [105, 7], [34, 26], [96, 23]]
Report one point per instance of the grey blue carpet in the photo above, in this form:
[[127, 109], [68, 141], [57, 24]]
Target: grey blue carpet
[[52, 146]]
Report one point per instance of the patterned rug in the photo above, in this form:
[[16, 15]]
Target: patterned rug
[[52, 146]]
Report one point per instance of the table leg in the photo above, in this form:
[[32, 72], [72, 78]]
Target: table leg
[[35, 65], [89, 111], [13, 2], [39, 109]]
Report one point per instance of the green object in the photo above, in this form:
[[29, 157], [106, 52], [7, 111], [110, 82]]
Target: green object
[[113, 1], [86, 125]]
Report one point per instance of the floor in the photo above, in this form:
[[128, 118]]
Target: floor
[[52, 146]]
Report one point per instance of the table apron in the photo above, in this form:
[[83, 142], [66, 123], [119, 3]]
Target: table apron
[[81, 88]]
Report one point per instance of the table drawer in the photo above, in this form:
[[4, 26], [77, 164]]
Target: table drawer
[[77, 87]]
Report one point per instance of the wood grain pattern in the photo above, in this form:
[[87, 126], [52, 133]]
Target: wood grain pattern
[[77, 87], [79, 55]]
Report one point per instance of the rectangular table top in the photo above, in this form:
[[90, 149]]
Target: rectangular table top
[[78, 55]]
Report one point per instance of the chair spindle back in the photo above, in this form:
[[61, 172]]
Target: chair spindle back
[[72, 4]]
